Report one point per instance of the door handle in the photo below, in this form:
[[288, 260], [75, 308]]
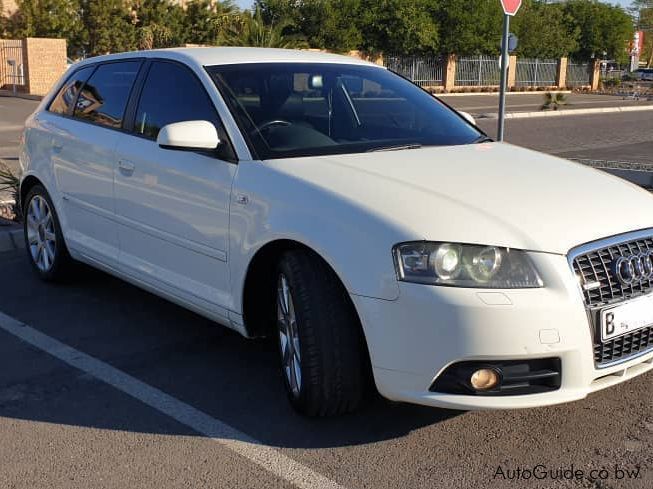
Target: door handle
[[126, 167]]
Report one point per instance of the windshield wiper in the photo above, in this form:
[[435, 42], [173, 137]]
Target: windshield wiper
[[483, 139], [398, 147]]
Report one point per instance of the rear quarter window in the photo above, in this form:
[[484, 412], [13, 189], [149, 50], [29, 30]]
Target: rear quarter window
[[104, 97], [65, 98]]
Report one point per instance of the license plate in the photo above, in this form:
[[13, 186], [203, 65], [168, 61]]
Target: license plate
[[626, 318]]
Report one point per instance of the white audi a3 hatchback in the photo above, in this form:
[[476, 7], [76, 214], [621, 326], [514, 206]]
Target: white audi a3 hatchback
[[324, 201]]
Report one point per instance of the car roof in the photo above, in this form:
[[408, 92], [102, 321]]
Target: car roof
[[210, 56]]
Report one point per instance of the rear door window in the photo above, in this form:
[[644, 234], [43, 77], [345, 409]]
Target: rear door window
[[104, 97], [63, 102]]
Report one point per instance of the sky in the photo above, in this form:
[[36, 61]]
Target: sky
[[248, 3]]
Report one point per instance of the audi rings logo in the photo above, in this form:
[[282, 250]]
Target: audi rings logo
[[634, 268]]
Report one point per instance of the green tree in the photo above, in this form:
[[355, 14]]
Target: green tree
[[158, 23], [208, 22], [332, 25], [254, 31], [109, 27], [602, 29], [544, 31], [469, 27], [325, 24], [48, 18], [397, 26]]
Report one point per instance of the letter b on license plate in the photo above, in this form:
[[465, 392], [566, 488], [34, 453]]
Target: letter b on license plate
[[627, 317]]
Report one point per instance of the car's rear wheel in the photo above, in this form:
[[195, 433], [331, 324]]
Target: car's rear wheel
[[46, 249], [319, 335]]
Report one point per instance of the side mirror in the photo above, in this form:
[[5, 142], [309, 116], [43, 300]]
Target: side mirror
[[188, 135], [468, 117]]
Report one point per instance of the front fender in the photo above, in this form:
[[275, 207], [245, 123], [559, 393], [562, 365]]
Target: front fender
[[355, 242]]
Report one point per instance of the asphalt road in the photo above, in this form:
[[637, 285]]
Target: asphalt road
[[487, 104], [101, 423], [619, 136]]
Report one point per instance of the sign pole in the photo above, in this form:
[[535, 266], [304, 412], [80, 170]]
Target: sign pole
[[504, 76]]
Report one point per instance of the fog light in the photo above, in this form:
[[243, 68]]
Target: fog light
[[485, 379]]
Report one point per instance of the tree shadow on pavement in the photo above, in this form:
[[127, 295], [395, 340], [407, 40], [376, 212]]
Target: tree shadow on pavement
[[206, 366]]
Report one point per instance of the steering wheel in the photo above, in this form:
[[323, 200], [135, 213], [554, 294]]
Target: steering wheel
[[269, 124]]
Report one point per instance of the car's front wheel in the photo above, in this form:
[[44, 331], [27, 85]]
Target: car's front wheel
[[46, 249], [320, 340]]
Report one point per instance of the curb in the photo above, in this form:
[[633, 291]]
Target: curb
[[563, 113], [485, 94], [26, 96], [11, 238]]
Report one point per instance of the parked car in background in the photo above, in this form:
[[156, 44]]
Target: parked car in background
[[375, 232], [644, 74]]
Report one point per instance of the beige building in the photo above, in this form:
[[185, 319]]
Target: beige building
[[9, 7]]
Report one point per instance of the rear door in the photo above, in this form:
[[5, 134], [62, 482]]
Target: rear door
[[173, 206], [83, 156]]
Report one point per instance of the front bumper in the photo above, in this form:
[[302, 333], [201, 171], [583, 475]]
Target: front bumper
[[413, 339]]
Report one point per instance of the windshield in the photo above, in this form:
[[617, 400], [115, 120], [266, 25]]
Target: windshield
[[309, 109]]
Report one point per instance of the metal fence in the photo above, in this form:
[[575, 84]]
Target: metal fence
[[478, 71], [421, 70], [536, 72], [613, 74], [578, 74], [12, 73]]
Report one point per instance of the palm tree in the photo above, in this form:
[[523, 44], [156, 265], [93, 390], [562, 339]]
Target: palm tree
[[253, 31]]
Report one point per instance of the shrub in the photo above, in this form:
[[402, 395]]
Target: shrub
[[553, 102], [10, 182], [612, 83]]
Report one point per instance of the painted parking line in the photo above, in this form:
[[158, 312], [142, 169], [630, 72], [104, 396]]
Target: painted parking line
[[11, 128], [266, 457]]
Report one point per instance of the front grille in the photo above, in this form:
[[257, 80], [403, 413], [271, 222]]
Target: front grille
[[597, 266], [624, 346]]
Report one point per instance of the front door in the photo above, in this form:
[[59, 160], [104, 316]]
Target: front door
[[172, 207]]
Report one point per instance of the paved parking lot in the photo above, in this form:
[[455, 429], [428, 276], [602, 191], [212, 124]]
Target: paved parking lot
[[103, 385], [620, 137], [64, 427]]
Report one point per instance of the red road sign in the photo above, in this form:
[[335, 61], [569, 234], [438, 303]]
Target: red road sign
[[510, 7]]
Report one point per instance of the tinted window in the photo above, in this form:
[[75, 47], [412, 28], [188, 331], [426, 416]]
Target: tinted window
[[172, 94], [302, 109], [104, 96], [66, 96]]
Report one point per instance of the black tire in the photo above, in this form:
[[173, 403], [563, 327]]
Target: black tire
[[61, 266], [332, 347]]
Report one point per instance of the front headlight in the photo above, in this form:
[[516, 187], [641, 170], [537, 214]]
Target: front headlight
[[463, 265]]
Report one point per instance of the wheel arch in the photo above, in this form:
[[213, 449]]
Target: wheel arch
[[258, 305], [260, 278], [27, 184]]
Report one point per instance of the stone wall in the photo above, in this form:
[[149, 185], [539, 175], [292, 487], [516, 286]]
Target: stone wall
[[45, 62]]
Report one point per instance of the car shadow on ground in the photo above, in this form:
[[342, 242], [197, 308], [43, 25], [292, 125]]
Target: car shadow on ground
[[205, 365]]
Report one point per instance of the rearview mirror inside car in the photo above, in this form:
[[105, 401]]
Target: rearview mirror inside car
[[468, 116]]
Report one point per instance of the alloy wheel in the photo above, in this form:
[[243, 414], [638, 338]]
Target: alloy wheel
[[288, 336], [41, 235]]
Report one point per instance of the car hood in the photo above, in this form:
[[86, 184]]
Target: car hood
[[490, 193]]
